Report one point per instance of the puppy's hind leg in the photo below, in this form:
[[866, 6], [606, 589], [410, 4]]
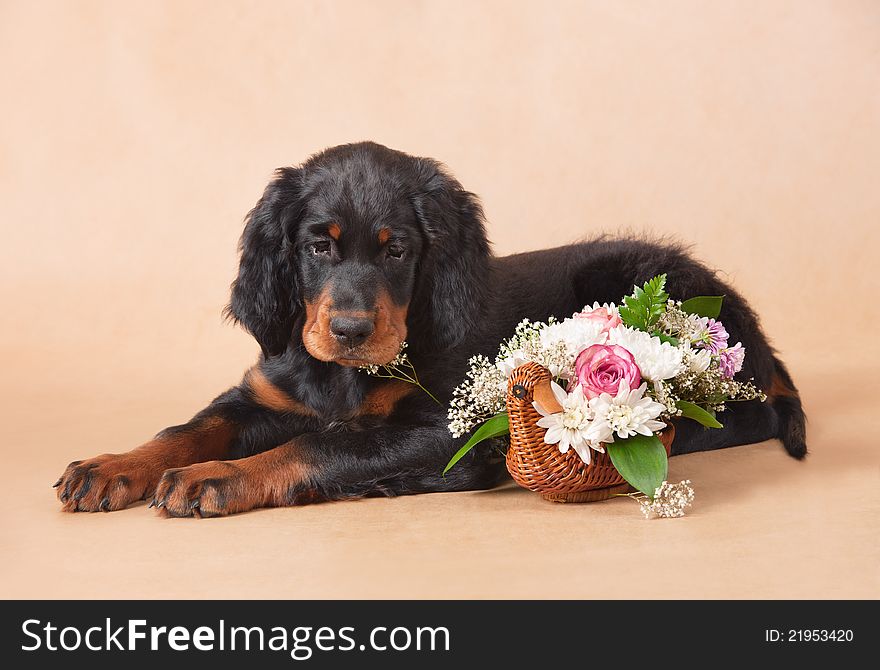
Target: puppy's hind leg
[[786, 402], [781, 416], [744, 423]]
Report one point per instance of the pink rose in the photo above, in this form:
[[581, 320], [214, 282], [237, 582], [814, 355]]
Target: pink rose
[[607, 317], [601, 368]]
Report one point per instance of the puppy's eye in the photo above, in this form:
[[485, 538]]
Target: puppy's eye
[[395, 250], [321, 248]]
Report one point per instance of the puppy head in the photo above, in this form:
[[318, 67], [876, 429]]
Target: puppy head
[[356, 250]]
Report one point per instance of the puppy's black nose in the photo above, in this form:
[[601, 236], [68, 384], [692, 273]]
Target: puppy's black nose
[[351, 330]]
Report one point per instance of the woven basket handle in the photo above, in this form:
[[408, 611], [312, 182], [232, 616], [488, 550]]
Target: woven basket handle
[[528, 383], [531, 382]]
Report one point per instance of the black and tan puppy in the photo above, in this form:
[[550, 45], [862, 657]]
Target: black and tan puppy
[[341, 260]]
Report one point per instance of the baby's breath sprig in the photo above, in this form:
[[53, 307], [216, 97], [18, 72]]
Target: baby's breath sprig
[[400, 368], [478, 398], [669, 500]]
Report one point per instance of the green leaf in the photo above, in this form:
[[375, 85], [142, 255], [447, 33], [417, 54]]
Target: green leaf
[[640, 460], [704, 305], [647, 304], [666, 338], [495, 427], [697, 413]]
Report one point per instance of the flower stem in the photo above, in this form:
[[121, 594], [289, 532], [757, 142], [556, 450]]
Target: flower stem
[[430, 395], [411, 377]]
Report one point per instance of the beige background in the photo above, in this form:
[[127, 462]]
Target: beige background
[[135, 136]]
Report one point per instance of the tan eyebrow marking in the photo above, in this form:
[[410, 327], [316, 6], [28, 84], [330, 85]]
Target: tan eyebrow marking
[[334, 231], [384, 235]]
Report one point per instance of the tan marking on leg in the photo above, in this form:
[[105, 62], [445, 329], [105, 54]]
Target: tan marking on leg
[[779, 389], [114, 481], [218, 488], [276, 471]]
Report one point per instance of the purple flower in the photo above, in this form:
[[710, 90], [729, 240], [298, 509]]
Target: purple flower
[[730, 360], [711, 335]]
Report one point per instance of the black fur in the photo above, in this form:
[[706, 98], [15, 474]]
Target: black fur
[[462, 301]]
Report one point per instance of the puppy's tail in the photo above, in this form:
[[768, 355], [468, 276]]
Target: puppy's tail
[[786, 401]]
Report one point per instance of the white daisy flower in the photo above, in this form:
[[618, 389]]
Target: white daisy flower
[[568, 429], [624, 415], [656, 359]]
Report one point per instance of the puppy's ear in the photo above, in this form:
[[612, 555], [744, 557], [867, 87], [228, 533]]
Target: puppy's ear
[[265, 299], [454, 270]]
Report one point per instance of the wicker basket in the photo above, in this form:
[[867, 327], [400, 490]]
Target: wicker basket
[[539, 466]]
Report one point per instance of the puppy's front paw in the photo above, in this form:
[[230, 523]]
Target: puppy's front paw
[[215, 488], [105, 483]]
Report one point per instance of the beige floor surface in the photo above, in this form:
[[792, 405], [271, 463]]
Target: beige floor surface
[[763, 526]]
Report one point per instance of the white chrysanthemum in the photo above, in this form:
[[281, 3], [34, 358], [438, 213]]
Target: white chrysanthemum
[[576, 335], [656, 359], [568, 429], [510, 363], [610, 307], [697, 360], [628, 413]]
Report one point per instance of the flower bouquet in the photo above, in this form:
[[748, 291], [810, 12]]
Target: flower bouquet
[[585, 404]]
